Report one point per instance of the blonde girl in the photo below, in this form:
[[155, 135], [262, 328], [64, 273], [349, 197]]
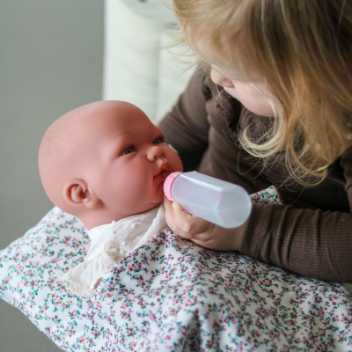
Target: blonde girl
[[271, 104]]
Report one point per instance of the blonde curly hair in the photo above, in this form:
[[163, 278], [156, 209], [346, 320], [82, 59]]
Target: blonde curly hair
[[302, 49]]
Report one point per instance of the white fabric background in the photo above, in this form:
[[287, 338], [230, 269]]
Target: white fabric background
[[144, 62]]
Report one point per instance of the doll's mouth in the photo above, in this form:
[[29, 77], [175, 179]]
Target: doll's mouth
[[161, 176]]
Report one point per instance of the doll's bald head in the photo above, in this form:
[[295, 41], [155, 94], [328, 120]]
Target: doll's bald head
[[67, 150], [104, 161]]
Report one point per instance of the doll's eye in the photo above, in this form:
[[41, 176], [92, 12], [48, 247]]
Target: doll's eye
[[159, 140], [128, 150]]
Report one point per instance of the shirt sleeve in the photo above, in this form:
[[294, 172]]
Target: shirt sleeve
[[310, 242]]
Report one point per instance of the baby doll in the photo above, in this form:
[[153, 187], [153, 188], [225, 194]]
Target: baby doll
[[105, 163]]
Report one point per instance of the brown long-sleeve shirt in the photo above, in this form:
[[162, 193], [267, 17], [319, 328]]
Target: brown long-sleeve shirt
[[311, 233]]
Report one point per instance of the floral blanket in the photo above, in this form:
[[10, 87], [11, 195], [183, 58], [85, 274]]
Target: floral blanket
[[170, 295]]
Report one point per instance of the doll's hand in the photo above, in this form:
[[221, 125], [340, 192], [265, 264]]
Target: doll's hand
[[201, 232]]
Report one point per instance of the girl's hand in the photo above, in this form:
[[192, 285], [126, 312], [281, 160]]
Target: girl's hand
[[202, 232]]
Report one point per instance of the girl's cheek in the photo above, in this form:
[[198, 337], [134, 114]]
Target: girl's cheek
[[232, 92]]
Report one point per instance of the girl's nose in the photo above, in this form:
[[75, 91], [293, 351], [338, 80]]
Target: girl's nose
[[155, 153], [219, 79]]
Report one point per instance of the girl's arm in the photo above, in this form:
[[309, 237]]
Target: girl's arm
[[203, 139], [312, 243]]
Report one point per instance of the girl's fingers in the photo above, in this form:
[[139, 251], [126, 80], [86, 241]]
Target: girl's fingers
[[167, 204], [178, 220], [174, 217], [178, 209], [184, 224]]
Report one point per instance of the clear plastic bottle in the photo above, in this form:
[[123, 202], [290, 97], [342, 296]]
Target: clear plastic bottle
[[209, 198]]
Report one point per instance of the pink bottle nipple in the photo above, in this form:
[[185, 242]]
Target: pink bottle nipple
[[168, 184]]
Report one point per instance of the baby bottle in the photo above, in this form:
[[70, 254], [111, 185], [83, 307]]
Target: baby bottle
[[209, 198]]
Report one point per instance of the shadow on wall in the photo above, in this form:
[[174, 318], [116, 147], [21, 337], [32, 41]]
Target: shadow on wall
[[153, 70]]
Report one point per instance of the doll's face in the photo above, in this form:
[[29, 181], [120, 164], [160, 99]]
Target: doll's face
[[105, 161], [133, 162]]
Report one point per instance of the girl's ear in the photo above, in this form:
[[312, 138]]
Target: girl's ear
[[77, 192]]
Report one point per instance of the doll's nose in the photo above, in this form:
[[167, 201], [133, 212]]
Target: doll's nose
[[155, 153]]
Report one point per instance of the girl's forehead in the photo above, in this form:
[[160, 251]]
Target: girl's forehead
[[233, 73], [234, 63], [236, 74]]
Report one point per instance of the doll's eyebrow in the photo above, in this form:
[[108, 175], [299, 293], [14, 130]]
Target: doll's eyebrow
[[123, 140]]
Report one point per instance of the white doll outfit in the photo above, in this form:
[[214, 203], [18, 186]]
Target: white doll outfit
[[109, 244]]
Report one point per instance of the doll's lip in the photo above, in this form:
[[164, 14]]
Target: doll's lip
[[161, 175], [163, 169]]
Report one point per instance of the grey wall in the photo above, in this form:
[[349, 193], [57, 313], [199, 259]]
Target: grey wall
[[50, 61]]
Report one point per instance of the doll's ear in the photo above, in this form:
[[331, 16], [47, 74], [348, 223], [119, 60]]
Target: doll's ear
[[77, 192]]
